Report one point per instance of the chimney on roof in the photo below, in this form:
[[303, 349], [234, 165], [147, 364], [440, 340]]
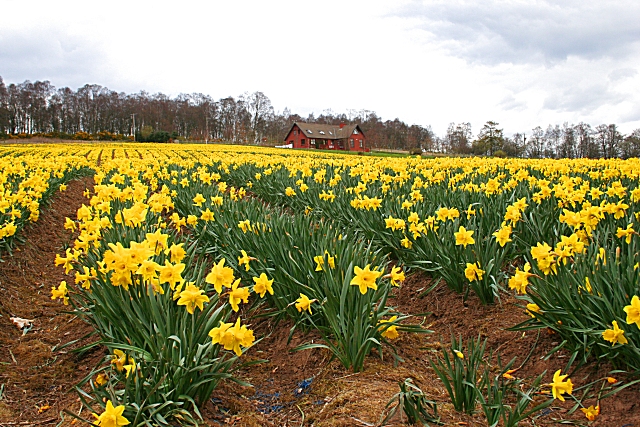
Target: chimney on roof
[[341, 125]]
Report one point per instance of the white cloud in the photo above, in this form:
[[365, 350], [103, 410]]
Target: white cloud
[[622, 73], [56, 56], [520, 31], [510, 102], [519, 63]]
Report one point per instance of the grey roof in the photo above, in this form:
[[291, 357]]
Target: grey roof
[[319, 131]]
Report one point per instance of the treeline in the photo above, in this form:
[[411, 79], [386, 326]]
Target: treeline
[[96, 112], [566, 141], [39, 108]]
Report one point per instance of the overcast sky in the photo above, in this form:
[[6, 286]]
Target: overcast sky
[[519, 63]]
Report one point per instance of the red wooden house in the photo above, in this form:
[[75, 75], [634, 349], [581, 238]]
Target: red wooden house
[[326, 137]]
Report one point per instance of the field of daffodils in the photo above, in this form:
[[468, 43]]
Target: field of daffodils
[[195, 267]]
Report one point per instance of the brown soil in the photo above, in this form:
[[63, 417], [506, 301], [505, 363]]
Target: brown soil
[[291, 389], [335, 397], [37, 378]]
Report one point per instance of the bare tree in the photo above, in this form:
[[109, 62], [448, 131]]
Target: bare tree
[[630, 145], [260, 111], [586, 145], [458, 138], [4, 108], [567, 143], [607, 137], [514, 146], [553, 136], [536, 145]]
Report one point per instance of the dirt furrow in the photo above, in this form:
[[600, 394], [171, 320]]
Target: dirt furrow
[[36, 378]]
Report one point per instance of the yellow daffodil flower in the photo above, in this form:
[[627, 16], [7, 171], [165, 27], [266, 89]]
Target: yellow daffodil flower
[[192, 297], [304, 303], [365, 278], [633, 311], [559, 386], [238, 294], [463, 237], [615, 335], [263, 285], [112, 416]]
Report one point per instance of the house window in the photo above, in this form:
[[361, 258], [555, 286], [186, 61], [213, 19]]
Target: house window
[[351, 142], [355, 131], [295, 131], [302, 141], [360, 143], [312, 141]]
